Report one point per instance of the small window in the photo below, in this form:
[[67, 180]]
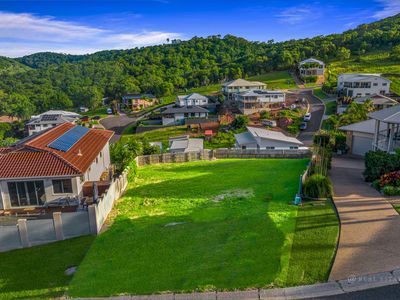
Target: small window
[[294, 147], [101, 153], [97, 160], [243, 147], [62, 186], [375, 84], [270, 148], [384, 84]]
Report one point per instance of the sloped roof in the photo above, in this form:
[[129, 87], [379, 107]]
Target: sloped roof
[[244, 138], [34, 158], [51, 119], [376, 99], [185, 109], [367, 126], [311, 60], [272, 135], [64, 113], [243, 82], [362, 77], [260, 93], [387, 115], [187, 144]]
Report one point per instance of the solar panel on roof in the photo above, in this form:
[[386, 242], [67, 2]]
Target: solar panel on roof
[[49, 117], [68, 139]]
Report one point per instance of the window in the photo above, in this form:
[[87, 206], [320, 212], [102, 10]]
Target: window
[[26, 193], [62, 186], [375, 84], [97, 160], [270, 148], [384, 84], [294, 147], [243, 147]]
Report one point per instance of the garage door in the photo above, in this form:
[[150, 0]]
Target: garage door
[[361, 145]]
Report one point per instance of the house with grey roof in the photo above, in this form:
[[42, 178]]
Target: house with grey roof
[[311, 67], [241, 85], [177, 115], [195, 99], [361, 85], [380, 132], [50, 119], [183, 144], [263, 139], [254, 101]]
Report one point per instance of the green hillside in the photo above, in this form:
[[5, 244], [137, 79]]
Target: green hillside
[[11, 67]]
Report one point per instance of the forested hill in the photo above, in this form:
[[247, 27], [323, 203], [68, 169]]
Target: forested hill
[[63, 81]]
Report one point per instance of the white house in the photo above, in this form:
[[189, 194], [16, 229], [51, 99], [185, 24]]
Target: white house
[[177, 115], [311, 67], [50, 119], [361, 85], [52, 165], [240, 85], [261, 139], [254, 101], [183, 144], [195, 99]]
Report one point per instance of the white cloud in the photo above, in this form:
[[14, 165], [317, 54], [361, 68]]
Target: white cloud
[[389, 8], [22, 34], [298, 14]]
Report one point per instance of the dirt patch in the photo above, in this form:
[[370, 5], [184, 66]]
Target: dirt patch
[[236, 193]]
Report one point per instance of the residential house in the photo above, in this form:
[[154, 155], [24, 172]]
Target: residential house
[[380, 132], [177, 115], [260, 139], [52, 165], [240, 85], [378, 101], [255, 101], [195, 99], [49, 119], [183, 144], [8, 119], [139, 101], [311, 67], [361, 85]]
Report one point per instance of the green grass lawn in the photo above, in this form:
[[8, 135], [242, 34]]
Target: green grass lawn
[[235, 230], [157, 135], [397, 207], [38, 272], [320, 94], [101, 112], [330, 108], [276, 80]]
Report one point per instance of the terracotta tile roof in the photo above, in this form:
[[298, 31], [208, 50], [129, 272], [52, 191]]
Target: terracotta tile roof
[[22, 164], [23, 159], [4, 149]]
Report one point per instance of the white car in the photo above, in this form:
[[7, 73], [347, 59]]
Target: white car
[[307, 117], [270, 123]]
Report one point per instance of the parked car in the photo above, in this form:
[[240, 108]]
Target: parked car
[[96, 118], [303, 126], [109, 111], [293, 106], [307, 117], [85, 119], [270, 123], [83, 109]]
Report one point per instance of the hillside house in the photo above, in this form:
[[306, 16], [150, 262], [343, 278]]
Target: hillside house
[[139, 101], [361, 85], [195, 99], [311, 67], [240, 85], [262, 139], [255, 101], [53, 165], [177, 115], [50, 119]]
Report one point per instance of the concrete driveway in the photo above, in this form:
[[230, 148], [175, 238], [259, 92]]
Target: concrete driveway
[[370, 227]]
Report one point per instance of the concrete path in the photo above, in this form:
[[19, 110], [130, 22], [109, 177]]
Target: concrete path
[[370, 227]]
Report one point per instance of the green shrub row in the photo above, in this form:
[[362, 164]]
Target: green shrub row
[[378, 163]]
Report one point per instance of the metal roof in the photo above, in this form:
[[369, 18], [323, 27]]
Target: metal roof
[[311, 60], [185, 109], [243, 82], [387, 115], [367, 126], [362, 77], [272, 135]]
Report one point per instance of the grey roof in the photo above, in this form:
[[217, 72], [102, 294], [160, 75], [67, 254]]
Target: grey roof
[[376, 99], [59, 112], [311, 60], [185, 109], [260, 93], [245, 138], [186, 144], [362, 77], [367, 126], [192, 96], [387, 115], [272, 135], [50, 119], [243, 82]]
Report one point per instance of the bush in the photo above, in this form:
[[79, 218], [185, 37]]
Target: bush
[[318, 186], [392, 178], [322, 138], [378, 163], [376, 185], [390, 190]]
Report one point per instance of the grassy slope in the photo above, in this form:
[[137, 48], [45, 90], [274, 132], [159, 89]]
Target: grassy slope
[[158, 135], [38, 272], [276, 80], [372, 63], [317, 232], [235, 243]]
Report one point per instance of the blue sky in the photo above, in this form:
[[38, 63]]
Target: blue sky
[[79, 26]]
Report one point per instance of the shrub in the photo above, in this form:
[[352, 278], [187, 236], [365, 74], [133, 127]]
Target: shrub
[[376, 184], [322, 138], [390, 190], [378, 163], [392, 178], [318, 186]]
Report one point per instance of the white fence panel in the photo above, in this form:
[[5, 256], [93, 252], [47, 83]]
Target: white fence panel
[[9, 238], [75, 223]]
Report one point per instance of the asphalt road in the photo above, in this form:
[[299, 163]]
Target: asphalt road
[[317, 113], [117, 124], [391, 292]]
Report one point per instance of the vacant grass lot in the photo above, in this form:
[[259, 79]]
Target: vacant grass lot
[[320, 94], [199, 226], [276, 80], [38, 272], [159, 135]]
